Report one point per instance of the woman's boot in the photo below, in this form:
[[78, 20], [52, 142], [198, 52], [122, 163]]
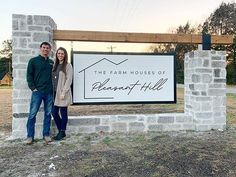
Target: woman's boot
[[60, 135]]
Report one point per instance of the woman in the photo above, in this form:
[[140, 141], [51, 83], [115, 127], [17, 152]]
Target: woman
[[61, 78]]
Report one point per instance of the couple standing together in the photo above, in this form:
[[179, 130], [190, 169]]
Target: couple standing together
[[50, 83]]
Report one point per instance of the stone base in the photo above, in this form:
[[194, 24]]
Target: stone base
[[117, 123]]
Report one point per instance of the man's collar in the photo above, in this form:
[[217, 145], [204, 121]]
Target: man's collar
[[44, 57]]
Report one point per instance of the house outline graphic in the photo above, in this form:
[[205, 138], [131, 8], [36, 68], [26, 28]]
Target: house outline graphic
[[84, 72]]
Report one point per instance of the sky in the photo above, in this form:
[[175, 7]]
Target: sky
[[146, 16]]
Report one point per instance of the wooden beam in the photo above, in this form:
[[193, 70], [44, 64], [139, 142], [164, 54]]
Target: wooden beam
[[101, 36]]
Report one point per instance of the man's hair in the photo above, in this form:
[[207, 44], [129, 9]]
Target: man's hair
[[45, 43]]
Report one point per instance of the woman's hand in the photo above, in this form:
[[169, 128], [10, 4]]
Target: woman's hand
[[62, 97]]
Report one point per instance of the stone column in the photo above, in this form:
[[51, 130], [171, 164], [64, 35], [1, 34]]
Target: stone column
[[28, 32], [205, 88]]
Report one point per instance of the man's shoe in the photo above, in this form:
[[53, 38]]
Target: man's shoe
[[47, 139], [29, 141]]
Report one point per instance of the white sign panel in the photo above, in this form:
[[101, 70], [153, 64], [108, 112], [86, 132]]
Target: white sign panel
[[123, 78]]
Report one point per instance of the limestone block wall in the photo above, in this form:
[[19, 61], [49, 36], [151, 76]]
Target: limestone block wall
[[205, 88], [28, 32], [130, 123]]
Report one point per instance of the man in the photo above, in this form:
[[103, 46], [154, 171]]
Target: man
[[39, 81]]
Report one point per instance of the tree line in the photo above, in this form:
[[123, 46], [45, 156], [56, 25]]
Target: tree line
[[6, 57], [221, 22]]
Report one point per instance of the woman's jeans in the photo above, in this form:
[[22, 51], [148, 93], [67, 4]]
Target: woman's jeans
[[36, 100], [62, 119]]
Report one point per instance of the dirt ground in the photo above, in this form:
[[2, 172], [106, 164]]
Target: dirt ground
[[166, 154], [5, 109]]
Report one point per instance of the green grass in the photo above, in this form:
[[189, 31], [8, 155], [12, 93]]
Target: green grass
[[231, 95], [231, 111]]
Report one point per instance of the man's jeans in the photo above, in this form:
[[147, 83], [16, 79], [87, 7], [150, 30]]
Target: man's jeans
[[36, 100]]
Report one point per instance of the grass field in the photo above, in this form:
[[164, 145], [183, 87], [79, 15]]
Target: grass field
[[231, 109]]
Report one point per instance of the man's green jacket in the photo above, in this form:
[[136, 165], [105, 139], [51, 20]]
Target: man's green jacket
[[39, 74]]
